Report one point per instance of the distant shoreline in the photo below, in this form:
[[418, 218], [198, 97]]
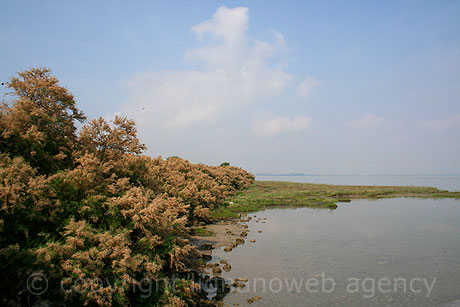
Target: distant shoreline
[[265, 194], [345, 175]]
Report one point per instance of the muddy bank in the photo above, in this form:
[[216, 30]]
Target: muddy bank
[[225, 233]]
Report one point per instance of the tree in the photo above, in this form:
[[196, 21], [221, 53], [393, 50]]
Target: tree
[[38, 124], [112, 140]]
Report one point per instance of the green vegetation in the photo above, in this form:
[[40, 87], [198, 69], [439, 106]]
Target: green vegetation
[[87, 211], [264, 194], [201, 231]]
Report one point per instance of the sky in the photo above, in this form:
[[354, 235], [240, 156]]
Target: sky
[[316, 87]]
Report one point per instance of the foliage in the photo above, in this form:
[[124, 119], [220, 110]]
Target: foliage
[[89, 211], [111, 142], [39, 123]]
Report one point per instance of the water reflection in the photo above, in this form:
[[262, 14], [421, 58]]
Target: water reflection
[[395, 239]]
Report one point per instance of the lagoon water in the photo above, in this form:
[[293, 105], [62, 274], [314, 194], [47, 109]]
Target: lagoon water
[[371, 250], [443, 182]]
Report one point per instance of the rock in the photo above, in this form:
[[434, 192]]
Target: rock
[[238, 284], [216, 270], [244, 234], [211, 265], [229, 232], [252, 241], [227, 267], [254, 299], [236, 304], [241, 279], [228, 248], [223, 261], [206, 257], [239, 241], [259, 231], [206, 246]]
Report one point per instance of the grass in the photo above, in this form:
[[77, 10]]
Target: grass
[[201, 231], [265, 194]]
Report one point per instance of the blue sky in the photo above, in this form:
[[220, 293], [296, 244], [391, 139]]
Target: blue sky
[[323, 87]]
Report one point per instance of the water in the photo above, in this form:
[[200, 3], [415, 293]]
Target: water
[[451, 183], [359, 246]]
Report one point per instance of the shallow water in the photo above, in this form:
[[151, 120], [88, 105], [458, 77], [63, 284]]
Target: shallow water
[[371, 250], [451, 183]]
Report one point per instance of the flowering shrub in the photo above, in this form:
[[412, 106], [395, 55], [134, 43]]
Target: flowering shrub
[[88, 210]]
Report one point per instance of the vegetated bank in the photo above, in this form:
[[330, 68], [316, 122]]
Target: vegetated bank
[[265, 194], [85, 217]]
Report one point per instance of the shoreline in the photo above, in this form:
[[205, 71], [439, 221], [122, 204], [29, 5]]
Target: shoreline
[[225, 232], [271, 194]]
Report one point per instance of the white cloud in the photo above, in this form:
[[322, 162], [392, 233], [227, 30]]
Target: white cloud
[[236, 70], [442, 123], [305, 87], [272, 127], [369, 120]]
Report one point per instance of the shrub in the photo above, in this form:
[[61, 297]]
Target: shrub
[[89, 211]]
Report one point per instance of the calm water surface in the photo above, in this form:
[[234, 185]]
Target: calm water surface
[[358, 245], [451, 183]]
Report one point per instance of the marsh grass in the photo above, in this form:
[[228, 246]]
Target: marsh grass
[[202, 232], [265, 194]]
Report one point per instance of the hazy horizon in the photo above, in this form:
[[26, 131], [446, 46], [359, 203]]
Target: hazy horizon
[[321, 88]]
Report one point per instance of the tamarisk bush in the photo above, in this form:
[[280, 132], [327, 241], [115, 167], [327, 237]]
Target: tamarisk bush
[[91, 212], [38, 124]]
